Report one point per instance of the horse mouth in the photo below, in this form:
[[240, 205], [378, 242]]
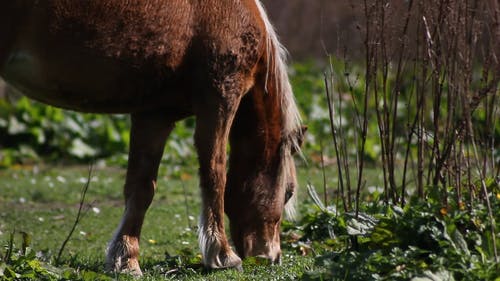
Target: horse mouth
[[269, 260]]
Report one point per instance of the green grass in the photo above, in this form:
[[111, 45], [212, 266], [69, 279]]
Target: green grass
[[385, 243], [43, 202]]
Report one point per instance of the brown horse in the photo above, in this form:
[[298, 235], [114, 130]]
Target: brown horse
[[161, 61]]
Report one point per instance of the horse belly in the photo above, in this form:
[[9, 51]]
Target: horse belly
[[84, 82]]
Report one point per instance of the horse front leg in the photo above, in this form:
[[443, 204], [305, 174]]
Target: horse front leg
[[147, 141], [213, 123]]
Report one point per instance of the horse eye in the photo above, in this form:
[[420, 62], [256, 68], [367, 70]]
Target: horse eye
[[288, 194]]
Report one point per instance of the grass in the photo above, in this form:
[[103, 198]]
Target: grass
[[43, 202], [391, 243]]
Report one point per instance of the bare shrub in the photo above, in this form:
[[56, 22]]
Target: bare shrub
[[431, 83]]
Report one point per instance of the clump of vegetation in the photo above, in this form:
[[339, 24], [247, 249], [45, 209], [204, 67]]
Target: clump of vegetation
[[24, 263], [424, 112], [31, 132], [386, 242]]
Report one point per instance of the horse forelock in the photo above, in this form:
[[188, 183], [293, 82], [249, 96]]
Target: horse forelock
[[277, 74]]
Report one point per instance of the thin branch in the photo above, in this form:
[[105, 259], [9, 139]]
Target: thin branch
[[335, 143], [325, 193], [79, 215]]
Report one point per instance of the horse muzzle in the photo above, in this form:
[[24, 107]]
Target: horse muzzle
[[267, 250]]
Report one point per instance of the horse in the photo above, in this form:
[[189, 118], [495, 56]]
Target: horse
[[161, 61]]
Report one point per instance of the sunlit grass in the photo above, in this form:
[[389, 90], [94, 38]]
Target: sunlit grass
[[43, 202]]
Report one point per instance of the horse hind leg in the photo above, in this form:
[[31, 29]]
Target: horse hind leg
[[213, 122], [147, 140]]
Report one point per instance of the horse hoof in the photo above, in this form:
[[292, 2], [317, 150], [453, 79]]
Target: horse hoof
[[135, 272], [235, 263], [239, 268], [225, 261], [130, 267], [132, 271]]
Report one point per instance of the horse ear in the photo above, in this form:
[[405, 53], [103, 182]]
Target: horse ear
[[299, 136]]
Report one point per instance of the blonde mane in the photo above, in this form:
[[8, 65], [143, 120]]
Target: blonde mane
[[291, 127]]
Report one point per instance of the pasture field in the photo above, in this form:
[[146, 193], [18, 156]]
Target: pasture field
[[422, 241], [43, 203]]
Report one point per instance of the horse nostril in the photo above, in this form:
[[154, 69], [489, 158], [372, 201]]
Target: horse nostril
[[277, 260]]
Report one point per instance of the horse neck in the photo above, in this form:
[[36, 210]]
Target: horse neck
[[256, 134]]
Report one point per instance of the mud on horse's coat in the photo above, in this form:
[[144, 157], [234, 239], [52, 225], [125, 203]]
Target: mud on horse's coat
[[161, 61]]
